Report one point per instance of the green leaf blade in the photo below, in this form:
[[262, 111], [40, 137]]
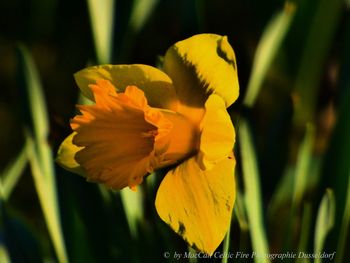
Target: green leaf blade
[[266, 51], [252, 192], [40, 154], [324, 221], [102, 20]]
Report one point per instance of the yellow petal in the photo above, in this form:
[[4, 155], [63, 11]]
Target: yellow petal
[[218, 134], [201, 65], [156, 85], [66, 155], [198, 204]]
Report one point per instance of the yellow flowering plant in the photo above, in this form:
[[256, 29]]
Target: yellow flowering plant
[[144, 119]]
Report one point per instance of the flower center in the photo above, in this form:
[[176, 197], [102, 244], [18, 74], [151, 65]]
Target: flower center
[[183, 139]]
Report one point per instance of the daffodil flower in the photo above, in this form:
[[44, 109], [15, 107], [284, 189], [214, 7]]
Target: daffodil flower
[[144, 119]]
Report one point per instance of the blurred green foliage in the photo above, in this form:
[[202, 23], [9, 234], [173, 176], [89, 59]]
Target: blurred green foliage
[[293, 147]]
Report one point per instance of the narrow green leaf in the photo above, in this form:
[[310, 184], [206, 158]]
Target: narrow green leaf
[[46, 189], [12, 173], [302, 169], [283, 193], [102, 20], [313, 57], [40, 154], [4, 256], [267, 49], [240, 211], [36, 98], [226, 246], [344, 229], [324, 221], [141, 11], [252, 193], [305, 232], [305, 174], [133, 207]]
